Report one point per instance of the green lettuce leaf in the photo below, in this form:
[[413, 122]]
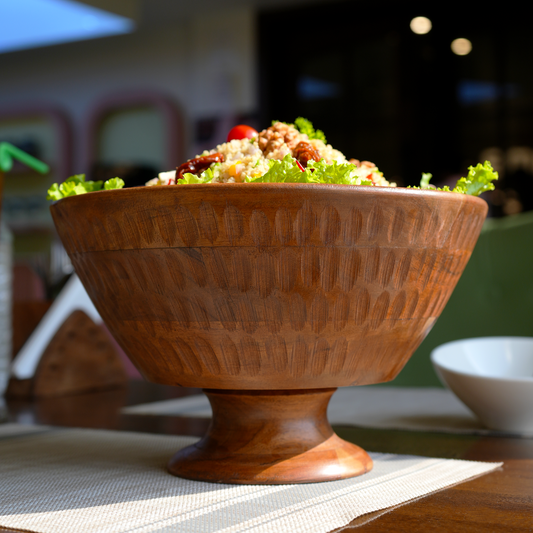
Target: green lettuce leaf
[[77, 178], [478, 180], [205, 177], [305, 126], [288, 171], [284, 171], [189, 178], [113, 183], [424, 182], [76, 184], [335, 173], [71, 188], [54, 193]]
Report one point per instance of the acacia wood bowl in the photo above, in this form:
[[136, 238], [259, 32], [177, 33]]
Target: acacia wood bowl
[[269, 297]]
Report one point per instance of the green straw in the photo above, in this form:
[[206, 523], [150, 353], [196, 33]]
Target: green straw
[[8, 152]]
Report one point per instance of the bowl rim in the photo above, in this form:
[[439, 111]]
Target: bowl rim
[[223, 187], [438, 364]]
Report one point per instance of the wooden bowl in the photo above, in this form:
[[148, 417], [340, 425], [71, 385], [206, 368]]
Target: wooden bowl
[[269, 297]]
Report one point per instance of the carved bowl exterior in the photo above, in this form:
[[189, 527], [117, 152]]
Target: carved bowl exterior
[[269, 286]]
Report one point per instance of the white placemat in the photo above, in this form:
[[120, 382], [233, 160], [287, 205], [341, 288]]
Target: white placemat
[[411, 408], [63, 480]]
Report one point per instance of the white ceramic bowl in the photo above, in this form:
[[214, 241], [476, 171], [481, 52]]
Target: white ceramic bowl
[[493, 376]]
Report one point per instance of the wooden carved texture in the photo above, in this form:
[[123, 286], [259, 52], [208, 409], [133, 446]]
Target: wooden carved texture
[[264, 287], [270, 296]]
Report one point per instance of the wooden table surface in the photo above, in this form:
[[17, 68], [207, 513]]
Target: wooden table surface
[[498, 501]]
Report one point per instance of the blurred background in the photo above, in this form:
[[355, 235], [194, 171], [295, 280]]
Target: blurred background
[[130, 88]]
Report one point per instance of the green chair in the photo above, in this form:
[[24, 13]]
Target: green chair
[[494, 296]]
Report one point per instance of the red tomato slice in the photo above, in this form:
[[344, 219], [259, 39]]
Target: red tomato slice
[[241, 132]]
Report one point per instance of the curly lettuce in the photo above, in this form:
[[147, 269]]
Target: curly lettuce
[[478, 180], [76, 184], [336, 173], [305, 126], [205, 177], [288, 171], [284, 171]]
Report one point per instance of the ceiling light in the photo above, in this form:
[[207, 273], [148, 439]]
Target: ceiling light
[[420, 25], [35, 23], [461, 47]]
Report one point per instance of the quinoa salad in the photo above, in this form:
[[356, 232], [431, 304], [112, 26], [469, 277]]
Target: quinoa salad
[[281, 153]]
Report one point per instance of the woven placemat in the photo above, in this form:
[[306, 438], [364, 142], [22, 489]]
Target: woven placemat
[[56, 480], [408, 408]]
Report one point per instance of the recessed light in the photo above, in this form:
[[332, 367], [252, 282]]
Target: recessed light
[[461, 46], [420, 25]]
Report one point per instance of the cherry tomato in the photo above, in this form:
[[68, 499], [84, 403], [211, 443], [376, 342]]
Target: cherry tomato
[[241, 132]]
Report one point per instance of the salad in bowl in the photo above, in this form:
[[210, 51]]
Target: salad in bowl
[[269, 271], [281, 153]]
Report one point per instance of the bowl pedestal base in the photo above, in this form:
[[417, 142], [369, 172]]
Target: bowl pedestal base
[[270, 437]]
